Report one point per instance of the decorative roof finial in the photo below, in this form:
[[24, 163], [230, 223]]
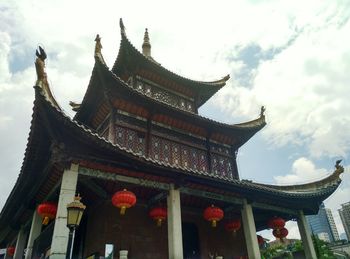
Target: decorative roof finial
[[146, 45], [122, 27], [40, 66], [262, 111], [42, 76], [98, 45]]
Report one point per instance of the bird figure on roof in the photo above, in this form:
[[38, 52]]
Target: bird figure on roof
[[262, 111], [337, 164], [40, 65], [41, 53]]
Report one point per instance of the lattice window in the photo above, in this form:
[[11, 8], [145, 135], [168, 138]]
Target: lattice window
[[166, 145], [185, 156], [131, 138], [155, 148], [194, 159], [176, 154], [120, 136], [215, 164], [203, 164]]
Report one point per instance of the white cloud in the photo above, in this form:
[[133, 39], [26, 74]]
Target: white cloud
[[303, 170], [304, 85]]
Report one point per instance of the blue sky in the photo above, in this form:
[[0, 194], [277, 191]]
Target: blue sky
[[291, 56]]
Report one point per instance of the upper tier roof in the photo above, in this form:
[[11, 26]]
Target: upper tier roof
[[129, 56], [112, 83]]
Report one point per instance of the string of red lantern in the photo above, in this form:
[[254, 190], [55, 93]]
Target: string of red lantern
[[123, 199], [233, 225], [158, 214], [213, 214], [47, 210], [10, 251]]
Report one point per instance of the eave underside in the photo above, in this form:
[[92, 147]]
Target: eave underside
[[78, 144]]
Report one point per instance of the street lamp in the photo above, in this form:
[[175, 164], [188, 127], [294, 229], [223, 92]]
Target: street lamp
[[75, 212]]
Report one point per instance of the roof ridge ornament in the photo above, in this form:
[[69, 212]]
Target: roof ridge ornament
[[98, 48], [338, 167], [146, 45], [42, 76]]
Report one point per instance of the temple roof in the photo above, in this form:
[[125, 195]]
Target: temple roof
[[243, 131], [51, 126], [132, 58], [318, 189]]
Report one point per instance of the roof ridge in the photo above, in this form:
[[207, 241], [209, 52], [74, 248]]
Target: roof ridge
[[219, 82], [256, 123], [236, 182]]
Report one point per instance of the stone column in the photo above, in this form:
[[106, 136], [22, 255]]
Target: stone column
[[250, 231], [35, 230], [20, 244], [61, 232], [305, 234], [174, 224]]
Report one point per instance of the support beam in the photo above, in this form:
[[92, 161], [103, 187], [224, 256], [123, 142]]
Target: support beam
[[35, 230], [156, 198], [20, 244], [265, 206], [174, 224], [61, 232], [305, 234], [210, 195], [94, 187], [250, 231], [122, 178]]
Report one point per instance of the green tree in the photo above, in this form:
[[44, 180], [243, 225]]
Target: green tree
[[322, 249]]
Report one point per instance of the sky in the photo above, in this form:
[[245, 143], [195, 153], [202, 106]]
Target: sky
[[293, 57]]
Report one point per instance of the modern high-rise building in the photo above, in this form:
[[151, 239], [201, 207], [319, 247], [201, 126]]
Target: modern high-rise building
[[344, 213], [322, 224], [332, 224]]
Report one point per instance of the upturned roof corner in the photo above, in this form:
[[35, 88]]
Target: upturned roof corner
[[42, 81]]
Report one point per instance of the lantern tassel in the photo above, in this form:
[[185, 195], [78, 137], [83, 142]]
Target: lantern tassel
[[159, 222], [122, 210], [46, 221], [213, 223]]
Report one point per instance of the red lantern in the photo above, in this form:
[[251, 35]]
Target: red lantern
[[159, 214], [276, 223], [260, 240], [11, 251], [233, 225], [213, 214], [47, 211], [123, 200], [280, 233]]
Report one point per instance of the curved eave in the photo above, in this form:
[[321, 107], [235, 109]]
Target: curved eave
[[244, 187], [244, 130], [329, 181], [204, 89], [93, 92]]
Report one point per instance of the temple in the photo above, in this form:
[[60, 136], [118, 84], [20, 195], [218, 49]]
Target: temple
[[138, 143]]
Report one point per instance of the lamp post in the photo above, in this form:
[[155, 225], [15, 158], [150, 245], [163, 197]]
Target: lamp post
[[75, 212]]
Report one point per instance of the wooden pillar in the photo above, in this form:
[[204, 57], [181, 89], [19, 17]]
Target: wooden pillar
[[20, 244], [250, 231], [305, 234], [61, 232], [174, 224], [35, 230]]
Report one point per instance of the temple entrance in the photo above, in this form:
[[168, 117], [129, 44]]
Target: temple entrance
[[190, 241]]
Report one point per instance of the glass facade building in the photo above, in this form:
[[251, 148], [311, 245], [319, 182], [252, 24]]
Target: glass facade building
[[322, 225]]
